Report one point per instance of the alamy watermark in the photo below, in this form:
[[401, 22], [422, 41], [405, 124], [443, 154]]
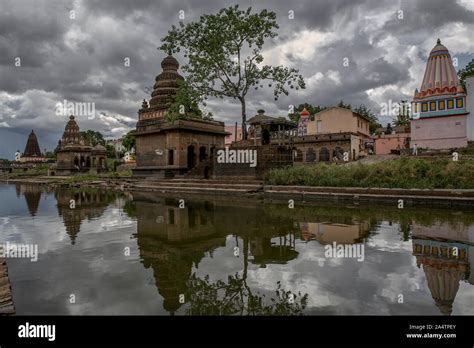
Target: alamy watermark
[[346, 251], [23, 251], [237, 156], [394, 109], [28, 330], [67, 108]]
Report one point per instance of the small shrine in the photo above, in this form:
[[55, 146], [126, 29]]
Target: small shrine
[[76, 155]]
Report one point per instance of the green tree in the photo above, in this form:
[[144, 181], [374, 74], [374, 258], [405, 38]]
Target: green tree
[[224, 53], [467, 71], [313, 110], [111, 153], [94, 137], [50, 154], [128, 140], [403, 117], [186, 104], [346, 106], [367, 113]]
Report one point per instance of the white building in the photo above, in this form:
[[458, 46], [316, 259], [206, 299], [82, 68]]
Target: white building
[[117, 144]]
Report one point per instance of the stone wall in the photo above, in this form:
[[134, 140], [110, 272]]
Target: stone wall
[[268, 157], [324, 147]]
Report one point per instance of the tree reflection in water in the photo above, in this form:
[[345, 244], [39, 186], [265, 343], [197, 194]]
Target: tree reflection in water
[[235, 297]]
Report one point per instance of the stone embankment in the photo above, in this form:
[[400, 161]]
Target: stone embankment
[[257, 189]]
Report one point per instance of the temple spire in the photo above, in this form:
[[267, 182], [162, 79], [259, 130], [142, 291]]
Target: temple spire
[[32, 148]]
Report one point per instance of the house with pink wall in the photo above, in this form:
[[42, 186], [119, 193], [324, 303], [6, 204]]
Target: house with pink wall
[[233, 136], [385, 144]]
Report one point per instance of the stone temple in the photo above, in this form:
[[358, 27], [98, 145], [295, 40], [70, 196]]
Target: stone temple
[[167, 149], [76, 155], [32, 153]]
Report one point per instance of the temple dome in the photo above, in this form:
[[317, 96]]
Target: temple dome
[[72, 135], [166, 84], [440, 76], [71, 126], [99, 148], [439, 48], [170, 63]]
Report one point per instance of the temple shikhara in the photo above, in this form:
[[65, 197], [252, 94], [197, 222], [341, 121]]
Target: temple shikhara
[[32, 153], [76, 155], [166, 149], [440, 118]]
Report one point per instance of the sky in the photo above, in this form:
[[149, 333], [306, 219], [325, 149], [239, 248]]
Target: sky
[[49, 54]]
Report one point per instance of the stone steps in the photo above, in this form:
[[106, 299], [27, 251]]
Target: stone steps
[[374, 191], [203, 182], [200, 186], [210, 190]]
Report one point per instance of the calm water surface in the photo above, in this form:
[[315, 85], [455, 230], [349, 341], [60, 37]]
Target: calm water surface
[[141, 254]]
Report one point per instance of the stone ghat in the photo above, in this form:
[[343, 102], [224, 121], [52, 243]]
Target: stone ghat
[[242, 186], [355, 195], [6, 300]]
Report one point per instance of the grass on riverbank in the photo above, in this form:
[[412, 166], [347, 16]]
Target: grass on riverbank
[[404, 172], [98, 177], [39, 170], [78, 178]]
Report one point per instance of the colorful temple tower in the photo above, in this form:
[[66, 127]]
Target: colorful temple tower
[[439, 115]]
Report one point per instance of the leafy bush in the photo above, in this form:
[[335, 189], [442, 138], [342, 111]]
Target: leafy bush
[[400, 173]]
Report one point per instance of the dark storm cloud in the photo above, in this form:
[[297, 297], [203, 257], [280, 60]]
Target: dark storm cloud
[[82, 59], [427, 15]]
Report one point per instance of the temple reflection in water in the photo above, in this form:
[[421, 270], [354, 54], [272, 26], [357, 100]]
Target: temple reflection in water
[[76, 205], [32, 194], [174, 242], [446, 254]]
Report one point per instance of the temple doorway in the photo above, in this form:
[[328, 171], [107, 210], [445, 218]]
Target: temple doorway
[[202, 153]]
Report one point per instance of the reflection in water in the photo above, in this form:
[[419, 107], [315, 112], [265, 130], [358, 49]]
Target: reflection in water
[[329, 232], [236, 297], [32, 194], [237, 257], [77, 205], [445, 260], [173, 241]]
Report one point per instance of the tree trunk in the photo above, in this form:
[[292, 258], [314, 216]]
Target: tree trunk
[[244, 119], [246, 258]]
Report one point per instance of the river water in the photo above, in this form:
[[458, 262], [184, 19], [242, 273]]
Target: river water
[[103, 252]]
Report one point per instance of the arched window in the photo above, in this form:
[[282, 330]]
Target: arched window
[[298, 155], [310, 155], [323, 155]]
